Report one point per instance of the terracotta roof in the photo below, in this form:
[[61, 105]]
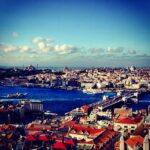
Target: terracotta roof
[[85, 108], [133, 141], [69, 142], [130, 120], [66, 141], [38, 127], [105, 137], [2, 109], [68, 123], [82, 130], [43, 137], [30, 138], [33, 132], [9, 136], [141, 130], [86, 142], [59, 146], [8, 127]]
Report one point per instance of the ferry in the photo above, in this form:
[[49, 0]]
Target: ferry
[[16, 95], [92, 91]]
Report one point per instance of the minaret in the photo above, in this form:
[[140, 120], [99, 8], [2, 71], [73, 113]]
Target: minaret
[[37, 66], [122, 146], [146, 143]]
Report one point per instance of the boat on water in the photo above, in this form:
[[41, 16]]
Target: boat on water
[[92, 91], [16, 95]]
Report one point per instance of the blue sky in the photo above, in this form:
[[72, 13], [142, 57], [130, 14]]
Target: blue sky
[[75, 32]]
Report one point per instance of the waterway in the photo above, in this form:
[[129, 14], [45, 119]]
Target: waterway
[[55, 100], [61, 101]]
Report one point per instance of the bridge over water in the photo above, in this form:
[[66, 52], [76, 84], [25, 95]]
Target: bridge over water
[[132, 95], [107, 103]]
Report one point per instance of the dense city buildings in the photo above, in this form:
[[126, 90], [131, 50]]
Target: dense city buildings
[[107, 124], [95, 80], [74, 74]]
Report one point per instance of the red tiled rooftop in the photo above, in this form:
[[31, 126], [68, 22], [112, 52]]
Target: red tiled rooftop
[[137, 140], [30, 138], [69, 142], [8, 127], [59, 146], [43, 137], [141, 130], [85, 108], [79, 129], [2, 109], [105, 137], [86, 142], [33, 132], [9, 136], [130, 120], [38, 127], [68, 123]]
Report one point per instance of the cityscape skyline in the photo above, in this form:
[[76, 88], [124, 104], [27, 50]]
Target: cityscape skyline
[[75, 33]]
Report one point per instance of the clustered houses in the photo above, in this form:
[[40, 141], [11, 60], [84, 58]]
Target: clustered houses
[[10, 113], [86, 127], [138, 140], [90, 80]]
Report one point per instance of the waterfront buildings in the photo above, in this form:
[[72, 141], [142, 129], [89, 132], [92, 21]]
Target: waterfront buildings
[[128, 124], [93, 80], [36, 105], [96, 126]]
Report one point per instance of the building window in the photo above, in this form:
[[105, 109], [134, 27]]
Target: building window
[[132, 131]]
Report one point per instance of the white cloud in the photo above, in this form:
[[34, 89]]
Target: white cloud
[[115, 50], [40, 42], [7, 48], [65, 49], [43, 44], [15, 34], [36, 40], [24, 48], [47, 45]]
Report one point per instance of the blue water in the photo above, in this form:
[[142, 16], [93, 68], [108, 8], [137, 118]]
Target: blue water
[[144, 102], [55, 100], [62, 101]]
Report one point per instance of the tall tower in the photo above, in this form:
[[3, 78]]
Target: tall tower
[[37, 67], [146, 143], [122, 146]]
